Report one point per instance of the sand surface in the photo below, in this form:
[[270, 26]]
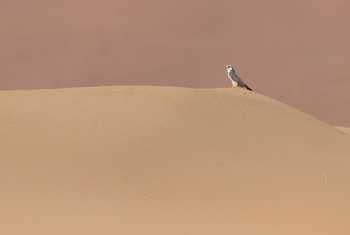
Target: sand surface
[[150, 160], [294, 51]]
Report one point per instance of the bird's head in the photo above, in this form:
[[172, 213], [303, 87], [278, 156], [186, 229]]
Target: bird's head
[[229, 68]]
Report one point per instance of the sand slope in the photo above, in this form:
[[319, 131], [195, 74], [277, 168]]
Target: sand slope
[[151, 160]]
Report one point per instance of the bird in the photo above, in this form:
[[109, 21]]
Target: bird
[[235, 79]]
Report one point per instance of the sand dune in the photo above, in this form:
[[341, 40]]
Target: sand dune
[[151, 160]]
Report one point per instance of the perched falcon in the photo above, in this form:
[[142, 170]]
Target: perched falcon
[[235, 79]]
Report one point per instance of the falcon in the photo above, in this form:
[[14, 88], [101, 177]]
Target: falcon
[[235, 79]]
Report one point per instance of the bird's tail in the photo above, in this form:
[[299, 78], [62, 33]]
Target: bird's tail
[[247, 87]]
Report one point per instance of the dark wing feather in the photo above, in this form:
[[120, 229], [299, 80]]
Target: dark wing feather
[[247, 87], [242, 84]]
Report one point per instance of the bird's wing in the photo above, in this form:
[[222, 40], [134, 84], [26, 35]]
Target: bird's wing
[[232, 75], [241, 83]]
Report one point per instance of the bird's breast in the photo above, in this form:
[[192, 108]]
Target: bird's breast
[[234, 83]]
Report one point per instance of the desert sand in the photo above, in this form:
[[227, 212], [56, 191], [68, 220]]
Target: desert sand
[[295, 51], [161, 160]]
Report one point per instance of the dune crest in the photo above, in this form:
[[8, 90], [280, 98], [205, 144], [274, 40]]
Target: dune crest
[[162, 160], [344, 129]]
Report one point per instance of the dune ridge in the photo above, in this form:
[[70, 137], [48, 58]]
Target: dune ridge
[[165, 160], [344, 129]]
